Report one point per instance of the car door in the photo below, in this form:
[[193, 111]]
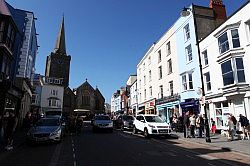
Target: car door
[[141, 122]]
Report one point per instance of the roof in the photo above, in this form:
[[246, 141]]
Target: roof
[[4, 9], [60, 46]]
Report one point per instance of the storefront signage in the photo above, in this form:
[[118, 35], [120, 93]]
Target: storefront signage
[[167, 99], [150, 104]]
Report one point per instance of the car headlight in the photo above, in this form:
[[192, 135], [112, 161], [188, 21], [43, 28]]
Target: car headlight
[[57, 132], [151, 126]]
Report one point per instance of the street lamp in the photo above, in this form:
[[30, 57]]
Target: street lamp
[[186, 12]]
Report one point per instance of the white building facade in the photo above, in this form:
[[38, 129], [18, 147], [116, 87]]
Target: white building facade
[[133, 98], [115, 103], [226, 65], [52, 95]]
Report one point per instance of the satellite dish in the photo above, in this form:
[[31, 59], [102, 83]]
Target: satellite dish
[[185, 12]]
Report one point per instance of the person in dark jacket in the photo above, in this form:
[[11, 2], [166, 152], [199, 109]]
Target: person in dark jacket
[[10, 129], [244, 122], [186, 124]]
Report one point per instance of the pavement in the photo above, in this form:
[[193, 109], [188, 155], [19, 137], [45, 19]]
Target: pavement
[[18, 140], [220, 141]]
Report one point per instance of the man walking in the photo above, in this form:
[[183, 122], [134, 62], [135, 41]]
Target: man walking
[[10, 129], [186, 124], [244, 122]]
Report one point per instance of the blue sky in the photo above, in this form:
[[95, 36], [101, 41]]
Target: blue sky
[[105, 38]]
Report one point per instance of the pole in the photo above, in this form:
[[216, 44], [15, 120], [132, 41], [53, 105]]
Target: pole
[[201, 75]]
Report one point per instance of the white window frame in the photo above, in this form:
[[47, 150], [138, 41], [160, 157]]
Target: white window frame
[[150, 75], [171, 88], [159, 56], [161, 91], [170, 66], [205, 58], [207, 81], [186, 30], [150, 91], [187, 81], [189, 56], [168, 47], [160, 72]]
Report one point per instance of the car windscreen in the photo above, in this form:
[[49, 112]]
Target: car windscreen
[[102, 118], [128, 117], [156, 119], [48, 122]]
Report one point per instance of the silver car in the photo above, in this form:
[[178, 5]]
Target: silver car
[[102, 122], [46, 129]]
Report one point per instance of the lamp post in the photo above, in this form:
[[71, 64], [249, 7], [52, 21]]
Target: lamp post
[[185, 12]]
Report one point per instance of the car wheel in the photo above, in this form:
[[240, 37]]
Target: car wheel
[[146, 135], [135, 130]]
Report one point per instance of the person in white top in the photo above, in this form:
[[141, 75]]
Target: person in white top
[[192, 120]]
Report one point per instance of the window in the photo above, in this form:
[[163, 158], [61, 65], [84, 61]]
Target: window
[[207, 81], [223, 43], [184, 82], [144, 80], [139, 83], [150, 75], [235, 38], [54, 103], [233, 71], [159, 56], [171, 88], [189, 53], [54, 92], [190, 78], [145, 94], [168, 48], [187, 81], [248, 30], [149, 60], [150, 91], [161, 91], [205, 58], [139, 71], [160, 72], [1, 31], [86, 100], [187, 32], [143, 66], [169, 66]]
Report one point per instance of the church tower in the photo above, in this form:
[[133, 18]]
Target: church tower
[[58, 62]]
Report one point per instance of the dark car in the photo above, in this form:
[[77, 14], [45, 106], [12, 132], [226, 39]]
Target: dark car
[[124, 122]]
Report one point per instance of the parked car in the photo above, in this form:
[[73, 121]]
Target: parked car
[[151, 125], [46, 129], [124, 122], [102, 122]]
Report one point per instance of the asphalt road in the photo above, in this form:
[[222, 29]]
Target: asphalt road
[[110, 149]]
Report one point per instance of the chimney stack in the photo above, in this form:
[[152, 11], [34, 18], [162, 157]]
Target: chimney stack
[[219, 10]]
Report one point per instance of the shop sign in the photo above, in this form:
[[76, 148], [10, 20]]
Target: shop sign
[[149, 104], [167, 99]]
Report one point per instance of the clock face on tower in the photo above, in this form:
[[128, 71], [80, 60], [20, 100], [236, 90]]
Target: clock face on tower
[[59, 62]]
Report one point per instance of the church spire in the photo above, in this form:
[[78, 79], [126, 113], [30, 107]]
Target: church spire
[[60, 42]]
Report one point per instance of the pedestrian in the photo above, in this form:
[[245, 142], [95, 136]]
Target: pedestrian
[[192, 120], [244, 123], [213, 126], [10, 129], [174, 122], [200, 125], [234, 121], [27, 121], [230, 126], [186, 124]]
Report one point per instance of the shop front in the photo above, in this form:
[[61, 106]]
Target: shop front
[[167, 107], [150, 107], [190, 105]]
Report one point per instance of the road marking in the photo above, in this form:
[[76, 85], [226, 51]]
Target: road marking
[[207, 157], [74, 163], [211, 164], [55, 156], [74, 156]]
